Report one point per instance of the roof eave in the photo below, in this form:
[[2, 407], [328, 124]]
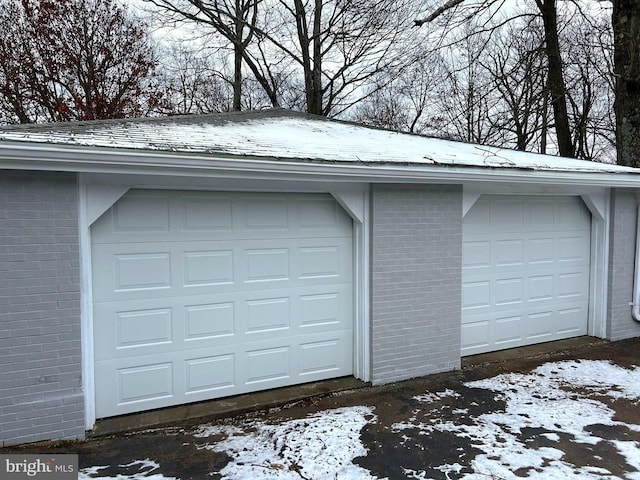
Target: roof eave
[[48, 157]]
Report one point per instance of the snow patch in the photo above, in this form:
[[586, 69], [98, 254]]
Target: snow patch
[[322, 445], [145, 467], [546, 400], [435, 396]]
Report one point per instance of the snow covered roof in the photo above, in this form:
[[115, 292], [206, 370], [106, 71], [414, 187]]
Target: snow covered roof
[[284, 146], [288, 136]]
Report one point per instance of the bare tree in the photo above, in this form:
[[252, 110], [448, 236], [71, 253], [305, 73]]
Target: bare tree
[[236, 22], [74, 60], [555, 81], [335, 47], [469, 102], [385, 108], [340, 46], [408, 101], [589, 78], [626, 33], [516, 65], [575, 127], [195, 82], [546, 9]]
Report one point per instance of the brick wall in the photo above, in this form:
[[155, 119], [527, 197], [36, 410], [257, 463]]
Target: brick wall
[[416, 280], [622, 248], [40, 352]]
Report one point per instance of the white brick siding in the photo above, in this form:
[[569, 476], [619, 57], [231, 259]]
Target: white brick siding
[[416, 280]]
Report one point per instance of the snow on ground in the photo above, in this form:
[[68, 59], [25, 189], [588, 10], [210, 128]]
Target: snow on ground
[[551, 400], [320, 446], [146, 469], [543, 399]]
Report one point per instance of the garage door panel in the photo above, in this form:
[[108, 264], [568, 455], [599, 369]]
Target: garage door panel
[[507, 330], [509, 253], [142, 331], [476, 254], [268, 365], [476, 333], [140, 215], [324, 357], [572, 285], [191, 268], [141, 212], [509, 291], [570, 321], [145, 382], [476, 294], [211, 374], [210, 322], [127, 386], [208, 214], [540, 214], [218, 294], [541, 288], [541, 250], [502, 290], [134, 330], [208, 267], [507, 215], [267, 315], [539, 325], [159, 380], [573, 250], [516, 273], [144, 326], [266, 264], [324, 310], [483, 252], [141, 271]]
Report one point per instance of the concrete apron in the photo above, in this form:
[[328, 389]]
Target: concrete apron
[[223, 407]]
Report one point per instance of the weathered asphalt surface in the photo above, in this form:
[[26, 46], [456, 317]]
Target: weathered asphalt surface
[[175, 447]]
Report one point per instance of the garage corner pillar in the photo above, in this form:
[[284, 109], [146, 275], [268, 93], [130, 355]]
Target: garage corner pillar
[[622, 252], [416, 289]]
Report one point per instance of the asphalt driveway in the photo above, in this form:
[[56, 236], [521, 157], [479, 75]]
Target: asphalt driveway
[[566, 410]]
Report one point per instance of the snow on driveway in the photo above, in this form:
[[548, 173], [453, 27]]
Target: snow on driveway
[[142, 469], [550, 401], [548, 412], [322, 445]]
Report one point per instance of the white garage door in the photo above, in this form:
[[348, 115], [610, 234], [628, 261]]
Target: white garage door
[[525, 276], [199, 295]]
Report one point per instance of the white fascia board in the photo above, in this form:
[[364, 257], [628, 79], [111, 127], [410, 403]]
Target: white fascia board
[[30, 156]]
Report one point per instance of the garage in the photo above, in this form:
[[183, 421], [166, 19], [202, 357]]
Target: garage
[[525, 274], [200, 295]]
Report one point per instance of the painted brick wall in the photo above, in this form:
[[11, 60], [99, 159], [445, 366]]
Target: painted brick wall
[[40, 352], [416, 280], [622, 248]]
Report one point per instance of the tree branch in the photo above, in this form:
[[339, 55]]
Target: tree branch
[[447, 6]]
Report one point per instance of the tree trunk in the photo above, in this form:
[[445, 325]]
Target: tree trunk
[[316, 97], [237, 58], [556, 79], [626, 34], [237, 77]]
